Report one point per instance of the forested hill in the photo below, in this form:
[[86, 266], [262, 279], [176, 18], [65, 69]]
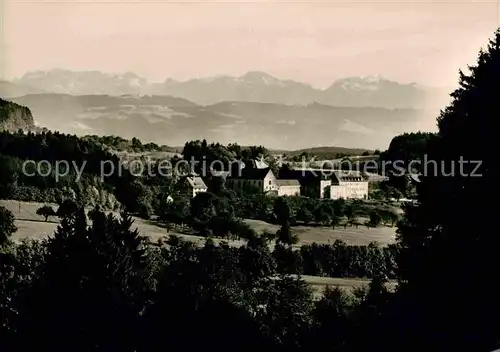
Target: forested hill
[[172, 121], [14, 116]]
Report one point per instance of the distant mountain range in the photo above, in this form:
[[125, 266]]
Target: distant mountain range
[[254, 109], [173, 121], [258, 87]]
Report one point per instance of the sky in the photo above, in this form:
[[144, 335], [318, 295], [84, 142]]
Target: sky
[[314, 41]]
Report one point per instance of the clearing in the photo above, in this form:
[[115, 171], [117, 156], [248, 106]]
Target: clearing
[[325, 235], [31, 225]]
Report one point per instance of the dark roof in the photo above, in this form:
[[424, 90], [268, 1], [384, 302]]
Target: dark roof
[[301, 175], [349, 176], [250, 174]]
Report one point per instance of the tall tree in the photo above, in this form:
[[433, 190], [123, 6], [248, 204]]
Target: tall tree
[[92, 288], [448, 252], [7, 226]]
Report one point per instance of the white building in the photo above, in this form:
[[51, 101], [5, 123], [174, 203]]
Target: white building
[[263, 180], [288, 187], [192, 185], [348, 184]]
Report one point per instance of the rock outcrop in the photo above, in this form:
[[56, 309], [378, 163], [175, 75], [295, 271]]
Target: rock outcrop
[[14, 117]]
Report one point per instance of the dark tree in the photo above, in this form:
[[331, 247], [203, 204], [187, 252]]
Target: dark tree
[[286, 236], [91, 289], [7, 225], [447, 254], [67, 208], [375, 219], [46, 211], [282, 210], [335, 221], [405, 152]]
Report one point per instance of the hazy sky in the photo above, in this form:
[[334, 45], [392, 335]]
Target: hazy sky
[[315, 42]]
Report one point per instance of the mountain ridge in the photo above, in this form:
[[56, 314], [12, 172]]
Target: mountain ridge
[[173, 121], [253, 86]]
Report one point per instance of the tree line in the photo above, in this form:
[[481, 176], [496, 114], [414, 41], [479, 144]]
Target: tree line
[[100, 286], [39, 181], [336, 260], [209, 206], [134, 145], [138, 193]]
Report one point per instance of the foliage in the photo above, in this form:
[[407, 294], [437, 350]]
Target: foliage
[[133, 145], [446, 251], [375, 219], [407, 152], [34, 168], [103, 287], [7, 225], [67, 208], [122, 293], [342, 260], [46, 211]]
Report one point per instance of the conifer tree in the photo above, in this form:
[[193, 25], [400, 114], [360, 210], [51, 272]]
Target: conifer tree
[[7, 226], [92, 287], [449, 240]]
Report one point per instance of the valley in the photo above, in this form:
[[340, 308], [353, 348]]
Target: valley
[[172, 121], [253, 109]]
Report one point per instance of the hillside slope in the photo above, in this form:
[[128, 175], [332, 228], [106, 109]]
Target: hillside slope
[[9, 89], [14, 117], [173, 121]]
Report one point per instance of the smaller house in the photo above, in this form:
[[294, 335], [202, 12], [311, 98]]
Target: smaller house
[[192, 185], [288, 187]]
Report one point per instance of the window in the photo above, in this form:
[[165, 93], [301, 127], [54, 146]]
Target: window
[[270, 182]]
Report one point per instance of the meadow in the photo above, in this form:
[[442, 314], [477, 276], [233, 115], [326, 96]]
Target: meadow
[[33, 226]]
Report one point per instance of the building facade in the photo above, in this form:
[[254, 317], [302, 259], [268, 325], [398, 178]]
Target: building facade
[[330, 184], [263, 180], [348, 185], [313, 183], [288, 187]]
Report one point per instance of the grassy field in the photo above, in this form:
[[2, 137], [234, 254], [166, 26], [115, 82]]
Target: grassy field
[[32, 226], [323, 152], [319, 284], [325, 235]]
